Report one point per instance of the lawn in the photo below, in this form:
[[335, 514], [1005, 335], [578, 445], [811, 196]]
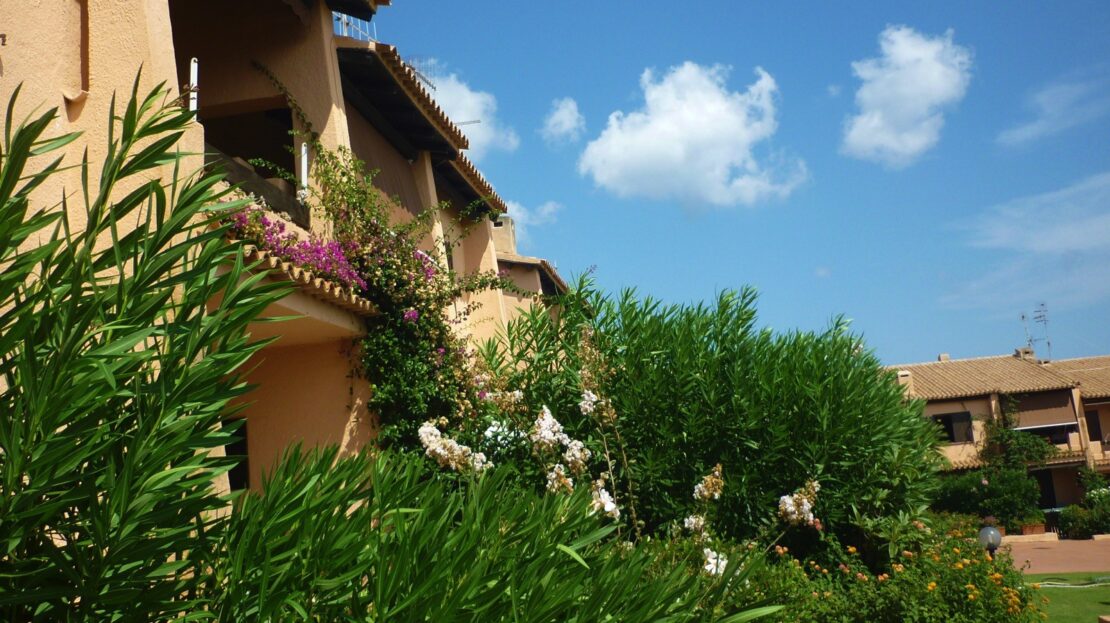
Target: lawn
[[1075, 605]]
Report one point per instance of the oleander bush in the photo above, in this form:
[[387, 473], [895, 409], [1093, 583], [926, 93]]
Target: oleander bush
[[662, 393]]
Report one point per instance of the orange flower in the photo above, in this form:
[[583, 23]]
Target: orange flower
[[851, 549], [931, 586]]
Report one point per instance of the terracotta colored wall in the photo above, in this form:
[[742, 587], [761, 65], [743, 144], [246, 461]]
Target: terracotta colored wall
[[304, 394], [395, 176], [60, 48], [524, 277]]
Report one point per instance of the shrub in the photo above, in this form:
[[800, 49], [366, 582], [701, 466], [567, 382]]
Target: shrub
[[378, 538], [118, 363], [1007, 493], [687, 387], [949, 579]]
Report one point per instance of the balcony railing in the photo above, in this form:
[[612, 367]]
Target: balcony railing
[[352, 27]]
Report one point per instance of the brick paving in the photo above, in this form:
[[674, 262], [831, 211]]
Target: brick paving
[[1062, 556]]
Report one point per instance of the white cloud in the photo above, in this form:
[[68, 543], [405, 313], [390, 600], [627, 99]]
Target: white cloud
[[465, 105], [564, 123], [1053, 248], [1058, 107], [904, 94], [525, 219], [693, 141]]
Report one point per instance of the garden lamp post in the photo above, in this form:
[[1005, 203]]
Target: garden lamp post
[[990, 538]]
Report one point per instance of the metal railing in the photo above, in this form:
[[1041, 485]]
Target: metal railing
[[352, 27]]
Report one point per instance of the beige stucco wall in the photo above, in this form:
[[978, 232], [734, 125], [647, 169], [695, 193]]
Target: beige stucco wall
[[305, 394], [75, 55], [980, 410], [526, 278], [395, 176]]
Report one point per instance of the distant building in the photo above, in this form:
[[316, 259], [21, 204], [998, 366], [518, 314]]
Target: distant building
[[534, 277], [1066, 402]]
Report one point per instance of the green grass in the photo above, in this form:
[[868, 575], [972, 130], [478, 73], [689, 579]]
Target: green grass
[[1075, 605]]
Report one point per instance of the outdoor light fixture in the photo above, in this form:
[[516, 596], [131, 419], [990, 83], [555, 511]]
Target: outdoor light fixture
[[990, 538]]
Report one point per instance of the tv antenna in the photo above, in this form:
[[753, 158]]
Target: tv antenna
[[1040, 316]]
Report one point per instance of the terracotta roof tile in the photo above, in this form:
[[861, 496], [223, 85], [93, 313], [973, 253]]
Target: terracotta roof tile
[[316, 287], [962, 378], [473, 177], [1092, 374]]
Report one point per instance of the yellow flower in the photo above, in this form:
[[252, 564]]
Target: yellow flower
[[898, 568], [955, 550], [851, 549], [958, 565], [1036, 586], [931, 586]]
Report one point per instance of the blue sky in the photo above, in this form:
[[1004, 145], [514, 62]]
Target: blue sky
[[929, 170]]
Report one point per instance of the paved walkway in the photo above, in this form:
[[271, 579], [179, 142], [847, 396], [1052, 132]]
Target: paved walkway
[[1062, 556]]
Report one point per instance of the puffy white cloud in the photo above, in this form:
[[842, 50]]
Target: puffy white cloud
[[904, 94], [1052, 247], [564, 123], [1059, 106], [693, 141], [526, 218], [465, 105]]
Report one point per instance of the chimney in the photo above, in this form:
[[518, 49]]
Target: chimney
[[905, 379], [944, 357], [504, 234], [1025, 352]]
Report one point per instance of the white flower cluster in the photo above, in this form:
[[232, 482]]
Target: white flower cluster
[[695, 524], [547, 433], [715, 563], [576, 456], [558, 481], [711, 486], [797, 509], [1095, 495], [448, 452], [588, 403], [603, 501]]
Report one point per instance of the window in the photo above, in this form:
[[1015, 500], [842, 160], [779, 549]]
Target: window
[[956, 426], [239, 476], [1054, 434]]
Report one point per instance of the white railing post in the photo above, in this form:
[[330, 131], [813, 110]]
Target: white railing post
[[194, 72]]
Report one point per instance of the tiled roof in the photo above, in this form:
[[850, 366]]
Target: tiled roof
[[473, 177], [964, 378], [316, 287], [407, 79], [1092, 374]]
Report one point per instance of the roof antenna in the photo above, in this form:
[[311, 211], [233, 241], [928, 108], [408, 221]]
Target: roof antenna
[[1025, 325], [1040, 316]]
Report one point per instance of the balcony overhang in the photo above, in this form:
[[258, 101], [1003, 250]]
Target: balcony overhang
[[550, 280], [362, 9], [386, 91], [464, 177]]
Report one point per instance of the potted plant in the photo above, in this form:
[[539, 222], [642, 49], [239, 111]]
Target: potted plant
[[1032, 523], [992, 521]]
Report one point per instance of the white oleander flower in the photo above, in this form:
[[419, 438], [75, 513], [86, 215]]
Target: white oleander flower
[[547, 433], [695, 524], [588, 403], [715, 563], [558, 481], [450, 453], [576, 456], [603, 501]]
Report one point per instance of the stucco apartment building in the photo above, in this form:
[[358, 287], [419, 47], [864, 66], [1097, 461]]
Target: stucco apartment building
[[356, 92], [1067, 402]]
